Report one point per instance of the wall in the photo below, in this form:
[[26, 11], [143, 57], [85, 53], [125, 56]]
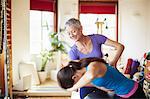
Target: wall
[[133, 27], [148, 30], [20, 34]]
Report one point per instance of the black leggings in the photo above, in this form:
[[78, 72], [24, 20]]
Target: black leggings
[[95, 93], [139, 94]]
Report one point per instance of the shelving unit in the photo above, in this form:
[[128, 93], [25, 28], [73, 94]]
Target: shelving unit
[[6, 50]]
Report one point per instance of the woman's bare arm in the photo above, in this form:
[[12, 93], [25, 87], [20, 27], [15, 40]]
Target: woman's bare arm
[[119, 49], [94, 70]]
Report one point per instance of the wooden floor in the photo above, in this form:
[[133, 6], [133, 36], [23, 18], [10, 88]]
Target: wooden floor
[[44, 92], [49, 98], [43, 98], [49, 83]]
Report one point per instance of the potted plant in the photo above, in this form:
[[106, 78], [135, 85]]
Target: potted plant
[[45, 57], [56, 46]]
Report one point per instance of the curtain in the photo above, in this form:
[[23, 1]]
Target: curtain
[[43, 5], [97, 8]]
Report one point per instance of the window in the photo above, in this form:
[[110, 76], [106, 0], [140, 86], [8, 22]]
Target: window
[[104, 24], [41, 24], [99, 18], [42, 21]]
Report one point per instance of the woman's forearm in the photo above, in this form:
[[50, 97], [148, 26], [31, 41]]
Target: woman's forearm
[[85, 80]]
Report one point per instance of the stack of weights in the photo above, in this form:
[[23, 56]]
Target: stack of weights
[[146, 84]]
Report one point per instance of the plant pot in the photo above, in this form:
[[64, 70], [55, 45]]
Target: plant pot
[[42, 76]]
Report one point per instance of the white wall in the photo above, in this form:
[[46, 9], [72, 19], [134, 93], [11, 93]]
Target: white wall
[[20, 34], [133, 33], [148, 30]]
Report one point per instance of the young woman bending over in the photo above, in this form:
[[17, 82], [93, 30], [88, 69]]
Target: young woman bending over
[[96, 72]]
